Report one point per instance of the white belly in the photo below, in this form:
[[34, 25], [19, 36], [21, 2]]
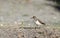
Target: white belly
[[38, 23]]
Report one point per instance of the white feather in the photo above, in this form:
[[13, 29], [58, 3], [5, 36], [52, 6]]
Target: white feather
[[38, 23]]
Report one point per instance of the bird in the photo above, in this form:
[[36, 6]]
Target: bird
[[37, 21]]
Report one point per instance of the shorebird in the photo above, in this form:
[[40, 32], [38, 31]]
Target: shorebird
[[37, 21]]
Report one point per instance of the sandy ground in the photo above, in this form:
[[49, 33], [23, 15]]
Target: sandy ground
[[31, 32]]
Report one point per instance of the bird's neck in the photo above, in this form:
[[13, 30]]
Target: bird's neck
[[35, 19]]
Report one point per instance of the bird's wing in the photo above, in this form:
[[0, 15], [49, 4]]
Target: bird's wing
[[41, 22]]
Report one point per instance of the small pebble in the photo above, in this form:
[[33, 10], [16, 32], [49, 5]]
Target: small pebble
[[29, 24], [19, 23], [54, 17], [15, 22], [1, 24]]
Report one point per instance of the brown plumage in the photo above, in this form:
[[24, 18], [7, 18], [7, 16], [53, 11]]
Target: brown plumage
[[37, 21]]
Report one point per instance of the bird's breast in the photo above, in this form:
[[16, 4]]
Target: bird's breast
[[38, 23]]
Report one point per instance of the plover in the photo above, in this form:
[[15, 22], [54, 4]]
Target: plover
[[37, 21]]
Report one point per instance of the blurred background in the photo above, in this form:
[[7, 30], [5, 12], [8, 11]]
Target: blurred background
[[15, 11]]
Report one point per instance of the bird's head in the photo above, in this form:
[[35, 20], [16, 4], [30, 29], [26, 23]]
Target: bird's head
[[33, 17]]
